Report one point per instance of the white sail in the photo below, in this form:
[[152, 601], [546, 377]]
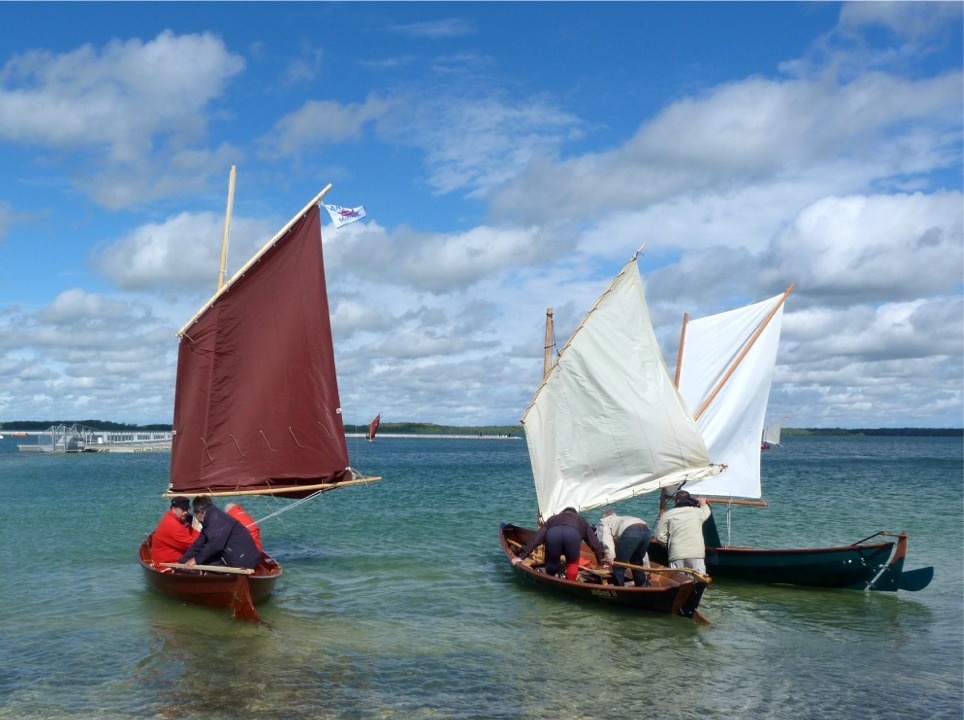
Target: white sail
[[725, 355], [607, 422], [771, 433]]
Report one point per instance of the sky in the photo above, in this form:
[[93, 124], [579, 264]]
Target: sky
[[511, 157]]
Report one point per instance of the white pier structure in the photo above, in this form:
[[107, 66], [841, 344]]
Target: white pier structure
[[78, 438]]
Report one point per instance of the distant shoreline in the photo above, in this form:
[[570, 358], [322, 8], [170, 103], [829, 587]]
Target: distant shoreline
[[428, 436], [406, 429]]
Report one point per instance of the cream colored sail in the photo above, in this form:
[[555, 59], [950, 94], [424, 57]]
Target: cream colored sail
[[608, 423], [725, 376]]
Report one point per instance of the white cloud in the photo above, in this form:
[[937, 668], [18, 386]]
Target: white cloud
[[474, 144], [118, 107], [88, 355], [877, 128], [904, 19], [435, 29], [845, 250], [119, 97], [76, 305], [323, 121], [436, 263], [182, 251]]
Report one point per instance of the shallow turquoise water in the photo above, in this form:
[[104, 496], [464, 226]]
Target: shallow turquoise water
[[397, 603]]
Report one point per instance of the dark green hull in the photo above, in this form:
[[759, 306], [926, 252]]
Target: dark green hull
[[837, 567], [861, 566]]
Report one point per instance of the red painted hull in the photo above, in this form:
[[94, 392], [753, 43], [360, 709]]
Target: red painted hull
[[240, 593]]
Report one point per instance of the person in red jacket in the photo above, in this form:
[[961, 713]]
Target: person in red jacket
[[174, 533], [238, 513]]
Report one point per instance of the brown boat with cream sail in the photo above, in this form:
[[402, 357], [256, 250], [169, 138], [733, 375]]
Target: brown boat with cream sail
[[608, 424], [256, 407]]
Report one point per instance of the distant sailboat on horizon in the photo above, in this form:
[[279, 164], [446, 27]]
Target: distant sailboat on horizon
[[771, 435], [373, 427]]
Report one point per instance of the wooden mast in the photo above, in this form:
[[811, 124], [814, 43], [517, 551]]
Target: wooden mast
[[679, 355], [227, 229], [546, 367], [743, 353], [575, 332]]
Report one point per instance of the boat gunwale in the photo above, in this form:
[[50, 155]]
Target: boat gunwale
[[744, 550]]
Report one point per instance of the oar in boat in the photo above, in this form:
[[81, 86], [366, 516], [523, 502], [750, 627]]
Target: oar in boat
[[598, 572], [686, 571], [208, 568], [538, 551]]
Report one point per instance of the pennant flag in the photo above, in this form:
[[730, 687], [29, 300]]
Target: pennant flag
[[342, 216]]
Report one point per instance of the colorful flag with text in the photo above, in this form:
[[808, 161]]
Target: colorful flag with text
[[341, 216]]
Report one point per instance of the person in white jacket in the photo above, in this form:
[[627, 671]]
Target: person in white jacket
[[680, 529], [626, 539]]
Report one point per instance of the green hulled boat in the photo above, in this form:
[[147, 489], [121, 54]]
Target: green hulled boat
[[874, 563], [724, 371]]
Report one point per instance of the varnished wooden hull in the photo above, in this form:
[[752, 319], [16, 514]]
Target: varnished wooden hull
[[669, 593], [240, 593]]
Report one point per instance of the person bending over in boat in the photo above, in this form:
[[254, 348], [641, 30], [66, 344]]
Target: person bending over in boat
[[680, 529], [173, 534], [238, 513], [563, 534], [626, 539], [223, 540]]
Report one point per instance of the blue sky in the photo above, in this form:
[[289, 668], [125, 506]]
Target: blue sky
[[511, 156]]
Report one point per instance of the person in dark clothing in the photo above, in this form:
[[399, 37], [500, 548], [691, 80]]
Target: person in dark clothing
[[563, 534], [223, 540]]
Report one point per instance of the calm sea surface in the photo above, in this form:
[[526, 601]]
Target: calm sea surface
[[397, 603]]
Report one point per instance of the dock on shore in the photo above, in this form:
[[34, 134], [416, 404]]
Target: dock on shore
[[77, 438]]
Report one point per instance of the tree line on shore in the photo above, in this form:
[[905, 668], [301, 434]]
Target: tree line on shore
[[104, 425], [421, 428]]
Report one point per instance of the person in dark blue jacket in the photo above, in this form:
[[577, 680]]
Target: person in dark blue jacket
[[563, 534], [223, 540]]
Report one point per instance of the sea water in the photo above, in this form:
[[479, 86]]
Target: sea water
[[396, 601]]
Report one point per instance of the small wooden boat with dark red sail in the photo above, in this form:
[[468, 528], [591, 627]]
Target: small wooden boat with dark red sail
[[607, 424], [373, 427], [256, 404]]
